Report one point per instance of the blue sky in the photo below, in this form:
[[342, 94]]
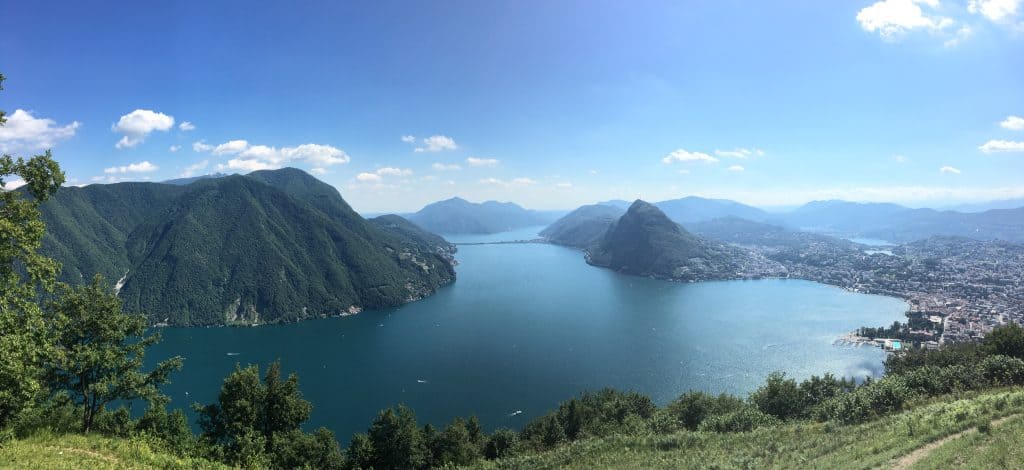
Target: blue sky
[[547, 104]]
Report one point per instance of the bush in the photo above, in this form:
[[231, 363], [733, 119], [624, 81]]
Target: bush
[[780, 397], [816, 390], [1005, 340], [599, 413], [746, 419], [877, 398], [544, 432], [1002, 370], [965, 354], [500, 444], [692, 408], [58, 415], [115, 423]]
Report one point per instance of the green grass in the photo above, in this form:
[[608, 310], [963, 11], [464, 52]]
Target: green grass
[[810, 445], [46, 451], [1001, 447]]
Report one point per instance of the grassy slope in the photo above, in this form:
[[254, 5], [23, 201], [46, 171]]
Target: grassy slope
[[816, 445], [93, 452]]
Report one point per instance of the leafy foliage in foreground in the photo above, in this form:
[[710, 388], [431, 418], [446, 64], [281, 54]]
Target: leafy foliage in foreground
[[24, 276], [99, 351]]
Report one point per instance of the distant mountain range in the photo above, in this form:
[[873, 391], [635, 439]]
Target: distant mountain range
[[900, 224], [698, 209], [270, 246], [645, 242], [890, 222], [459, 216]]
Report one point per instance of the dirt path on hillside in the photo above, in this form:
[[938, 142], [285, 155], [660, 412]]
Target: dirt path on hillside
[[921, 452]]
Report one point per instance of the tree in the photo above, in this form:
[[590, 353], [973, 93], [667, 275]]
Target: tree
[[24, 275], [256, 421], [99, 350], [1006, 340], [500, 444], [779, 397], [454, 446], [396, 440], [693, 408]]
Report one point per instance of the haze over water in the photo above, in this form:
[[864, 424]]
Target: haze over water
[[527, 326]]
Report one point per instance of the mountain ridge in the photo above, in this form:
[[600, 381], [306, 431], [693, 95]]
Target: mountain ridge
[[274, 246]]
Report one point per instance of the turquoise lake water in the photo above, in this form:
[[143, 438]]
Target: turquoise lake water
[[527, 326]]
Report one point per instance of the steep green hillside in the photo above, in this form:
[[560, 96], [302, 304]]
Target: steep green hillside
[[268, 247], [87, 228], [912, 439], [645, 242]]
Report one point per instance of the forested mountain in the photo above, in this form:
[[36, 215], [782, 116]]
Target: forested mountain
[[457, 215], [899, 224], [583, 227], [267, 247], [645, 242]]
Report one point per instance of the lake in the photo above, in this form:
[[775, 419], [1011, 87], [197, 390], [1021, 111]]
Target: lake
[[526, 326]]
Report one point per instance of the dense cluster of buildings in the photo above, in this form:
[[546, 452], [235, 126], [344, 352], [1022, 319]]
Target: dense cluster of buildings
[[958, 289]]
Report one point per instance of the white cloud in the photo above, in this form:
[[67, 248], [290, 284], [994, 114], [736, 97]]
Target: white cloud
[[201, 146], [392, 171], [900, 158], [193, 168], [13, 184], [437, 143], [136, 125], [443, 167], [683, 171], [563, 185], [1002, 146], [369, 177], [408, 139], [950, 170], [24, 132], [736, 168], [961, 35], [740, 153], [514, 182], [242, 164], [318, 171], [174, 148], [994, 10], [317, 154], [186, 126], [231, 147], [682, 155], [141, 167], [262, 157], [892, 18], [1013, 123], [474, 161]]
